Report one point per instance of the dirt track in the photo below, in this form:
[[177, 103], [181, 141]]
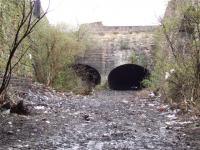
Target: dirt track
[[107, 120]]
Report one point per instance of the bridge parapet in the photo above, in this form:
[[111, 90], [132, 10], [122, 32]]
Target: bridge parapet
[[99, 28]]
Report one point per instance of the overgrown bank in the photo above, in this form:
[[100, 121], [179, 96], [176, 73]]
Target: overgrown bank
[[46, 53], [177, 57]]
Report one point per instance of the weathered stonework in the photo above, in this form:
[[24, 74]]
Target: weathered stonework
[[99, 28], [117, 46]]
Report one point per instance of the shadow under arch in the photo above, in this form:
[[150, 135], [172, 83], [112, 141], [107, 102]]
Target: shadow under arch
[[127, 77], [88, 74]]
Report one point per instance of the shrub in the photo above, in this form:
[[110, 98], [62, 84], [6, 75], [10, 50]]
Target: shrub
[[179, 49]]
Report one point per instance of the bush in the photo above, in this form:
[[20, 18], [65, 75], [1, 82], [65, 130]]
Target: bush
[[179, 49], [54, 51], [67, 80]]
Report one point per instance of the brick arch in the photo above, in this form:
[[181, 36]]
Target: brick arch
[[127, 77], [88, 73]]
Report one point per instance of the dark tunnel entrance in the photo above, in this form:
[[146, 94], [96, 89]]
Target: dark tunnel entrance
[[127, 77], [88, 74]]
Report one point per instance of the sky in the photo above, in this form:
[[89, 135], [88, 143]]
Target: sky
[[110, 12]]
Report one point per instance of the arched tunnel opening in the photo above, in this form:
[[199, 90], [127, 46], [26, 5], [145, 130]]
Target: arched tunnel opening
[[127, 77], [88, 74]]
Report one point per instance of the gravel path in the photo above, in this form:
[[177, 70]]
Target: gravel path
[[107, 120]]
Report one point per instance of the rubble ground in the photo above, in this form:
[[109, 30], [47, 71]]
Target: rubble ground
[[106, 120]]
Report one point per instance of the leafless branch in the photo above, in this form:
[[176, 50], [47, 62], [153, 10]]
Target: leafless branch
[[25, 26]]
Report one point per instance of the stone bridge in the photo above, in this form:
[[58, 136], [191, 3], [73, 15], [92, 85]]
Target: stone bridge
[[121, 55]]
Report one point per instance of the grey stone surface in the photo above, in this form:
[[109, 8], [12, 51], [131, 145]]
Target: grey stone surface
[[116, 46]]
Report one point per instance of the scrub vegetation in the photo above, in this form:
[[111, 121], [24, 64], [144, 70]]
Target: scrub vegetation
[[177, 58], [36, 116], [31, 47]]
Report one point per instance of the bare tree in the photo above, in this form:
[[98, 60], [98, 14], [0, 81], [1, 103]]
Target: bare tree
[[30, 16]]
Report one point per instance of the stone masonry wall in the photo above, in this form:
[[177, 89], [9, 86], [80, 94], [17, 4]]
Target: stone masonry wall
[[99, 28], [117, 45]]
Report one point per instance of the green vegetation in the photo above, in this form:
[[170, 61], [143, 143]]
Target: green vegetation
[[46, 52], [124, 44], [43, 52], [9, 19], [140, 59], [177, 58], [53, 54], [17, 23]]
